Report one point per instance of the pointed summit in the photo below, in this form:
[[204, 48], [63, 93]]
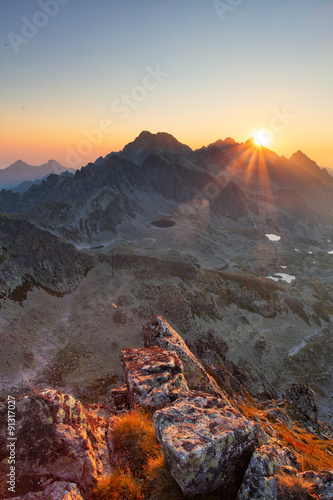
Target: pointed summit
[[303, 161], [147, 143]]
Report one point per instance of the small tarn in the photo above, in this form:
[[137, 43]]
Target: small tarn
[[163, 223]]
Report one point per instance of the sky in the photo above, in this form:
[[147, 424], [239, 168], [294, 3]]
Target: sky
[[81, 78]]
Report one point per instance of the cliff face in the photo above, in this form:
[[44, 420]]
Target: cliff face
[[32, 257], [214, 442]]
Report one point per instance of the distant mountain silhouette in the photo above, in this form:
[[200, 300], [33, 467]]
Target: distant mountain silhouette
[[20, 171], [155, 170]]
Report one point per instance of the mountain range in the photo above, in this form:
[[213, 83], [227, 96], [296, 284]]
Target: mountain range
[[236, 180], [20, 171]]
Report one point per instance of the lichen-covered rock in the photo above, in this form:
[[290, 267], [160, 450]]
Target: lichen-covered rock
[[59, 490], [158, 332], [323, 483], [154, 376], [259, 482], [301, 404], [207, 445], [56, 438]]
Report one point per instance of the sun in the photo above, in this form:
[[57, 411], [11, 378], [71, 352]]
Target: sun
[[262, 137]]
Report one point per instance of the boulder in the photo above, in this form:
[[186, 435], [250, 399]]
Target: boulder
[[60, 490], [207, 445], [158, 332], [56, 438], [301, 404], [259, 482], [154, 376]]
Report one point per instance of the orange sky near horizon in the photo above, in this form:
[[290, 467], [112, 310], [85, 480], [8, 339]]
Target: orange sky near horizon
[[96, 74]]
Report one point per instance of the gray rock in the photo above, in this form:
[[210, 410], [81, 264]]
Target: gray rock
[[301, 404], [60, 490], [56, 438], [158, 332], [323, 483], [154, 376], [207, 445], [259, 482]]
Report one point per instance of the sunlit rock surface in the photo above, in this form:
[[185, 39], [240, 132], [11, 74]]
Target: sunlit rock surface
[[158, 332], [207, 445], [154, 376], [56, 438]]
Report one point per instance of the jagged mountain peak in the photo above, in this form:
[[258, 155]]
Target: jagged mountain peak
[[303, 161]]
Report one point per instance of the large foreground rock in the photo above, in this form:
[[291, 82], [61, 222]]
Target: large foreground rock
[[259, 482], [207, 445], [56, 438], [154, 376], [158, 332]]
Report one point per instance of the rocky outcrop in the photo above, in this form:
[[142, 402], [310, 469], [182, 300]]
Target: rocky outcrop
[[59, 490], [207, 445], [154, 377], [323, 482], [32, 257], [301, 404], [56, 438], [259, 482], [158, 332]]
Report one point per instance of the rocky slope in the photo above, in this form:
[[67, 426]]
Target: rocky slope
[[227, 445], [32, 257]]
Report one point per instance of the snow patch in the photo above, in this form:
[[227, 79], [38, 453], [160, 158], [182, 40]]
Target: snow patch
[[282, 277], [273, 237]]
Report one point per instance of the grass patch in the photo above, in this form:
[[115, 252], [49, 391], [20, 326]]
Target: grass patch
[[135, 440], [312, 449], [121, 485], [293, 487], [160, 484]]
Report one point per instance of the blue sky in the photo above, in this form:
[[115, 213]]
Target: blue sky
[[229, 68]]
